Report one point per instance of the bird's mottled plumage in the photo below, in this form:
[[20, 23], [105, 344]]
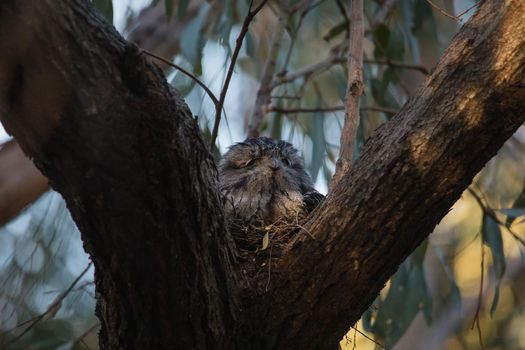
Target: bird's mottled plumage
[[263, 180]]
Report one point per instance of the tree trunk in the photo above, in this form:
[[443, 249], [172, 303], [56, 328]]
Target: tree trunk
[[122, 148]]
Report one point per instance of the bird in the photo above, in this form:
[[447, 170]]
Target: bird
[[263, 180]]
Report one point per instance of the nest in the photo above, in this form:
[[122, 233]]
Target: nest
[[260, 245]]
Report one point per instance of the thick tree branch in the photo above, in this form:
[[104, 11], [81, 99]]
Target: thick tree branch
[[123, 150], [409, 175], [103, 125]]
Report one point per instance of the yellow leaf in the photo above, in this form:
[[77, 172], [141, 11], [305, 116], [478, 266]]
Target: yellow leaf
[[266, 241]]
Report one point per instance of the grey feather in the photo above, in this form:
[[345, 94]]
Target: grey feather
[[263, 180]]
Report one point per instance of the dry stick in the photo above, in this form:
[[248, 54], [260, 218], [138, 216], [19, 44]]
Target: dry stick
[[492, 215], [187, 73], [265, 88], [238, 44], [51, 310], [354, 90], [334, 59], [369, 338], [443, 12], [80, 339], [396, 64], [467, 11], [328, 109]]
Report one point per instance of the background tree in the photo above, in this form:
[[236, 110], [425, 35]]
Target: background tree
[[475, 96]]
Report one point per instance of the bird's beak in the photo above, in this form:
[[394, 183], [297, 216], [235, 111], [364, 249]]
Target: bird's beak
[[274, 163]]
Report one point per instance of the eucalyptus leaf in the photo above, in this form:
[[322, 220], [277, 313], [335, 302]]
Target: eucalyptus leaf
[[518, 203], [492, 238]]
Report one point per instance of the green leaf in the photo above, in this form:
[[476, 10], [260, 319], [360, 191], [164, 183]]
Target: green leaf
[[407, 296], [336, 30], [192, 42], [106, 8], [381, 38], [518, 203], [396, 44], [512, 213], [318, 144], [168, 7], [250, 46], [454, 289], [492, 238]]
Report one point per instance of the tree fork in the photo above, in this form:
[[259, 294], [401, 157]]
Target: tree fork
[[102, 124]]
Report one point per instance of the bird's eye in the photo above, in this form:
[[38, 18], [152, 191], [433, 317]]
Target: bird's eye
[[249, 163], [286, 161]]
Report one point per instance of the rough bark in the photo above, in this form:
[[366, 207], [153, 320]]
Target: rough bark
[[409, 175], [127, 156], [124, 151]]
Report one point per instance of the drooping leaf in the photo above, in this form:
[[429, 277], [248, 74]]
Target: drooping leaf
[[492, 238], [192, 42], [336, 30], [518, 203], [266, 241], [250, 45], [381, 38], [454, 289], [318, 144], [407, 296]]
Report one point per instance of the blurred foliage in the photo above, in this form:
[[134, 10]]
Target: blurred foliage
[[435, 294]]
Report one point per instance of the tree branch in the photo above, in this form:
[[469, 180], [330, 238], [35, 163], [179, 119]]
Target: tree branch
[[124, 151], [238, 44], [265, 87], [410, 173], [354, 90]]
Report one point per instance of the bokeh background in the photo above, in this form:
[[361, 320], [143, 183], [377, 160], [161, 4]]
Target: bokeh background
[[437, 299]]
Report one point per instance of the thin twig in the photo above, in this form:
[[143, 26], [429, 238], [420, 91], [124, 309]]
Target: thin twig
[[51, 309], [85, 334], [379, 109], [308, 70], [443, 12], [488, 211], [467, 11], [185, 72], [331, 60], [284, 110], [265, 87], [397, 64], [369, 338], [304, 109], [238, 44]]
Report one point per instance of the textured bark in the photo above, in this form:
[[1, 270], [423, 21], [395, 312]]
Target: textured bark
[[124, 151], [409, 175], [127, 156]]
